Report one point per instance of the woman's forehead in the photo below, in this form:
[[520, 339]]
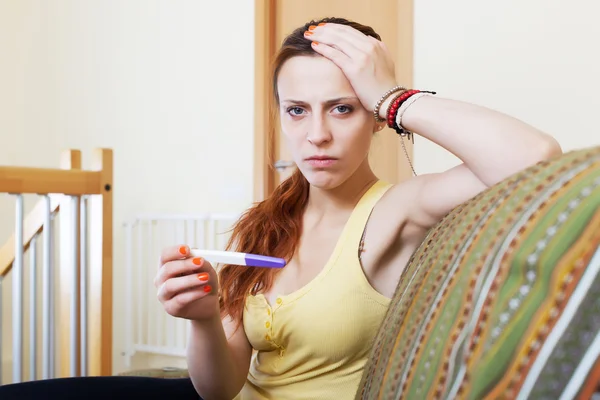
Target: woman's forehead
[[312, 78]]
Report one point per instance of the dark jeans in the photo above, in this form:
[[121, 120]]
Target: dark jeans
[[109, 387]]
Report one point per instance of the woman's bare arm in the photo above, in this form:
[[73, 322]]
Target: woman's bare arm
[[218, 357], [491, 145]]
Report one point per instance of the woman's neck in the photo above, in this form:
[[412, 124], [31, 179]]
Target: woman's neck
[[345, 196]]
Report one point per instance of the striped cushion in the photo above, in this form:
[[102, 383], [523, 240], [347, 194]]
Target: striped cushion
[[502, 299]]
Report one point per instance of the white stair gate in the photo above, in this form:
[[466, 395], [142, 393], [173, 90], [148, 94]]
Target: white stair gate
[[148, 328]]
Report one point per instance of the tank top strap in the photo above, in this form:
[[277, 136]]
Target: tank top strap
[[360, 216]]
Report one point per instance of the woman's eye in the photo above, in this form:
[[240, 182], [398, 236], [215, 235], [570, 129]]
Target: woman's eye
[[295, 111], [343, 109]]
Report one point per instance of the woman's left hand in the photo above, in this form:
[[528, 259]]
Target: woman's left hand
[[364, 60]]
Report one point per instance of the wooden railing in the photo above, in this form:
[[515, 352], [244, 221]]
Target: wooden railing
[[73, 287]]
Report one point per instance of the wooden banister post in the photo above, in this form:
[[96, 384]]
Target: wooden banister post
[[100, 291], [68, 283]]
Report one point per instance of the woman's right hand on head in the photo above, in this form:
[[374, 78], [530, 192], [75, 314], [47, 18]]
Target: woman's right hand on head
[[187, 286]]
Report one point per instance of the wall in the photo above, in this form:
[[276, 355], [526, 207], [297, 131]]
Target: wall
[[532, 59], [167, 84]]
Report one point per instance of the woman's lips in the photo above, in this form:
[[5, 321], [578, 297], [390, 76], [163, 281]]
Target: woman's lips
[[321, 161]]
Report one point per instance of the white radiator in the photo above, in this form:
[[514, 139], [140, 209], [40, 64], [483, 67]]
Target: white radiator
[[148, 328]]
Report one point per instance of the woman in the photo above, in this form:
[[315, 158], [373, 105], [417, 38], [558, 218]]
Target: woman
[[305, 331], [346, 234]]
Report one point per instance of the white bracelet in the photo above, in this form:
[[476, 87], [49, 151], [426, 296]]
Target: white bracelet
[[407, 104]]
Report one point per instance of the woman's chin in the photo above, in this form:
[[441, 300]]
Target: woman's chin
[[323, 179]]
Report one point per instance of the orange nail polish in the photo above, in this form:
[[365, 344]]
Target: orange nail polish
[[183, 250], [197, 261], [315, 43], [207, 289], [322, 23], [312, 27], [203, 276], [308, 33]]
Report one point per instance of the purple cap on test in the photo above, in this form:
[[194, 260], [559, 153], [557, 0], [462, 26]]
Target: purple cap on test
[[254, 260]]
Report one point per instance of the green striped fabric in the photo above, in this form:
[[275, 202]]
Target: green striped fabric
[[502, 299]]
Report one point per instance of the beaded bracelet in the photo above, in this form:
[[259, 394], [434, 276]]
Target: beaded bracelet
[[382, 99], [399, 105], [393, 109], [391, 106], [395, 104]]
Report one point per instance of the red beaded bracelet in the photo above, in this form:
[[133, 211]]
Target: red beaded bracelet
[[395, 105]]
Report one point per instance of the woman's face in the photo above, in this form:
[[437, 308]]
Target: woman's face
[[326, 128]]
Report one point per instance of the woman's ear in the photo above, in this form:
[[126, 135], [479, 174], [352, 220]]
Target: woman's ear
[[379, 127]]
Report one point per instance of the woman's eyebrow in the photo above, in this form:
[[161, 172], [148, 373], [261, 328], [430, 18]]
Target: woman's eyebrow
[[326, 102]]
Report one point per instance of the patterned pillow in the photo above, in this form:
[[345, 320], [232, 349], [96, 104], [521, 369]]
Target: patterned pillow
[[502, 299]]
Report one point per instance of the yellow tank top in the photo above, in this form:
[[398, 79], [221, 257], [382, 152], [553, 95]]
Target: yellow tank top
[[313, 343]]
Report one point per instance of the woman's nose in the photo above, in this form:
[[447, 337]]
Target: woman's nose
[[319, 133]]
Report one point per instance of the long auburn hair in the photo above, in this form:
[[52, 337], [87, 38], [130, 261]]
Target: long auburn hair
[[273, 226]]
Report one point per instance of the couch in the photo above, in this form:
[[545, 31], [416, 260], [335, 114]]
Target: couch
[[502, 298]]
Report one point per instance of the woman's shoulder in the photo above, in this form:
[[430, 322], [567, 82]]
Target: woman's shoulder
[[395, 203], [390, 237], [391, 222]]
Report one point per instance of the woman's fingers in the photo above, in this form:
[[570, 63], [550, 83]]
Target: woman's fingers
[[173, 269], [174, 253], [336, 39], [182, 300], [346, 35], [177, 286], [348, 40], [181, 281], [364, 60], [336, 56]]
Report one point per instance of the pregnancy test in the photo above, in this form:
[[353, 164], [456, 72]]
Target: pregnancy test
[[236, 258]]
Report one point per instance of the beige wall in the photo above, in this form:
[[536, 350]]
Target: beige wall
[[167, 84], [534, 59]]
